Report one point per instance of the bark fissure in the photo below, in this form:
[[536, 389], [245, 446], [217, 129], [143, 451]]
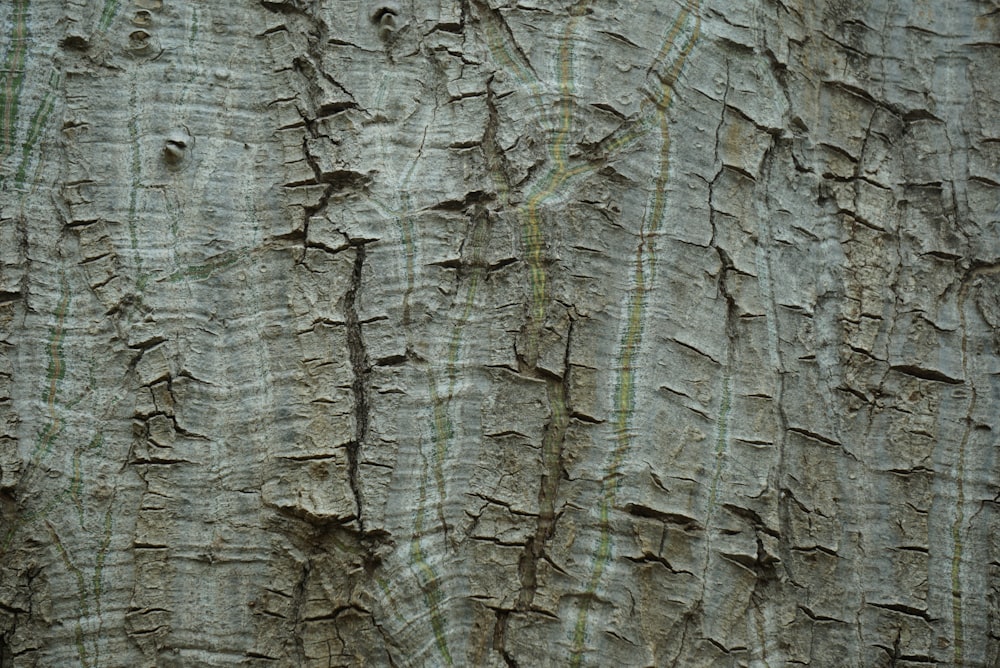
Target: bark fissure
[[360, 384], [553, 471]]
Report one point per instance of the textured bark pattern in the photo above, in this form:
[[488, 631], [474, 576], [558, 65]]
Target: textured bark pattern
[[496, 333]]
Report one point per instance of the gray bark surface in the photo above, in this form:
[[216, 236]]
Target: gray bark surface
[[499, 333]]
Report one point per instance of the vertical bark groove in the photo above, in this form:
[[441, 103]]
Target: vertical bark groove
[[361, 370]]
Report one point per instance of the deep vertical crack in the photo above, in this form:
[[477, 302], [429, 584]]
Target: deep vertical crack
[[359, 386], [299, 596], [778, 477], [500, 638], [552, 460]]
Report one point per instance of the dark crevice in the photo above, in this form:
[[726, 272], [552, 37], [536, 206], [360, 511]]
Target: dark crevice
[[359, 386], [926, 374], [308, 458], [262, 657], [335, 613], [280, 7], [811, 435], [148, 344], [816, 617], [471, 199], [583, 417], [156, 461], [904, 609], [755, 520], [683, 521], [500, 264], [553, 472], [650, 558], [500, 637], [896, 653]]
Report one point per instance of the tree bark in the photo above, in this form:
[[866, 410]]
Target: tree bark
[[497, 333]]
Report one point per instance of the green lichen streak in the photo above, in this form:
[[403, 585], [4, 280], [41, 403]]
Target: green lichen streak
[[643, 280]]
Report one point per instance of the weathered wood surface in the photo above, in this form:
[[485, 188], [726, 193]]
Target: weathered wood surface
[[486, 333]]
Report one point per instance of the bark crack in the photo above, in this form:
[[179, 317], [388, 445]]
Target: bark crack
[[554, 470], [500, 637], [359, 386]]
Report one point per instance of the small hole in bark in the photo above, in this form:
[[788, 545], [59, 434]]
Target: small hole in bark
[[176, 146], [142, 18], [139, 40], [385, 17]]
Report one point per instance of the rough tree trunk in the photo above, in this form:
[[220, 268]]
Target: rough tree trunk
[[497, 333]]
